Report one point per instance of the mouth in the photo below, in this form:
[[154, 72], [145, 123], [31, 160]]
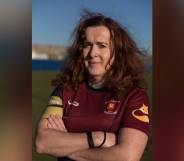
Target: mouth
[[93, 62]]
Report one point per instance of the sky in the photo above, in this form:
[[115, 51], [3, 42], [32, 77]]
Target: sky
[[54, 20]]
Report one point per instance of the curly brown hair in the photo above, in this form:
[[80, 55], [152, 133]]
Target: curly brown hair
[[127, 71]]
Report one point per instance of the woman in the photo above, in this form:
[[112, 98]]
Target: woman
[[99, 108]]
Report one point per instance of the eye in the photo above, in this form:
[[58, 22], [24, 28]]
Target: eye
[[102, 46], [86, 45]]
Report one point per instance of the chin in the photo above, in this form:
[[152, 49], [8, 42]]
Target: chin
[[95, 74]]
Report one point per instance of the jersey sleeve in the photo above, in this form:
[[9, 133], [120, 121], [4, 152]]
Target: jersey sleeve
[[55, 104], [136, 113]]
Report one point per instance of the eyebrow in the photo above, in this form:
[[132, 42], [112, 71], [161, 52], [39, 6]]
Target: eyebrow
[[98, 42]]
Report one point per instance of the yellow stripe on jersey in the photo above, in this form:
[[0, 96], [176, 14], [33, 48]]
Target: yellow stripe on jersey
[[54, 107], [53, 110], [55, 100]]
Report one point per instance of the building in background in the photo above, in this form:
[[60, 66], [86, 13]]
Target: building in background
[[48, 52], [48, 57]]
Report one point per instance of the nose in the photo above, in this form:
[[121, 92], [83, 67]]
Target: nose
[[94, 51]]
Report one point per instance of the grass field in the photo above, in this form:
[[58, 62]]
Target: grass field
[[41, 89]]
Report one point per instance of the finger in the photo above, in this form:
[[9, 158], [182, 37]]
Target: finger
[[61, 123], [52, 123], [49, 125], [58, 123]]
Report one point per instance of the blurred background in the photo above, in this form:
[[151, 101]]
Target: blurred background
[[52, 25]]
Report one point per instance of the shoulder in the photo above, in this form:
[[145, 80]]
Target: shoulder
[[69, 92], [57, 91], [136, 91], [136, 113], [137, 94]]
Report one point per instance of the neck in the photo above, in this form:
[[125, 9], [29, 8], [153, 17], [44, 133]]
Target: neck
[[96, 82]]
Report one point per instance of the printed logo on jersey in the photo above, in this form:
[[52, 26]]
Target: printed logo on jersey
[[111, 107], [74, 103], [55, 100], [141, 114]]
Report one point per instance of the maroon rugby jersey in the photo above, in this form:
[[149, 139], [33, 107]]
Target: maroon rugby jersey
[[90, 109]]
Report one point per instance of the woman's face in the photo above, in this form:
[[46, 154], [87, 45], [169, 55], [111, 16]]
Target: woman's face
[[96, 51]]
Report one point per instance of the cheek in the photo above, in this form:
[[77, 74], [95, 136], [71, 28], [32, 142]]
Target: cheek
[[84, 56], [85, 52], [108, 63], [86, 63], [112, 60], [106, 57]]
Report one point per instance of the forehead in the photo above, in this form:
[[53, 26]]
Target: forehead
[[97, 33]]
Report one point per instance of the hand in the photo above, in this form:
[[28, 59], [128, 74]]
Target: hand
[[56, 122], [110, 140], [72, 156], [98, 137]]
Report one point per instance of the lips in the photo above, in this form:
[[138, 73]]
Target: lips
[[93, 62]]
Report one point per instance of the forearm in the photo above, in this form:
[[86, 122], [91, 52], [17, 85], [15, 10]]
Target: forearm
[[59, 143], [100, 154], [130, 147]]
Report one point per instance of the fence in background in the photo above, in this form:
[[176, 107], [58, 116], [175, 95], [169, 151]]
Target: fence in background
[[49, 65]]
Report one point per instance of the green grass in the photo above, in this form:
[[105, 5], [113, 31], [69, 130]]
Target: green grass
[[41, 89]]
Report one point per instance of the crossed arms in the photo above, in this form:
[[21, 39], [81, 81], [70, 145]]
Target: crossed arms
[[53, 139]]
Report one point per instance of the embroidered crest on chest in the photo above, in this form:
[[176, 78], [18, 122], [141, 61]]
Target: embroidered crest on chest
[[111, 107]]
